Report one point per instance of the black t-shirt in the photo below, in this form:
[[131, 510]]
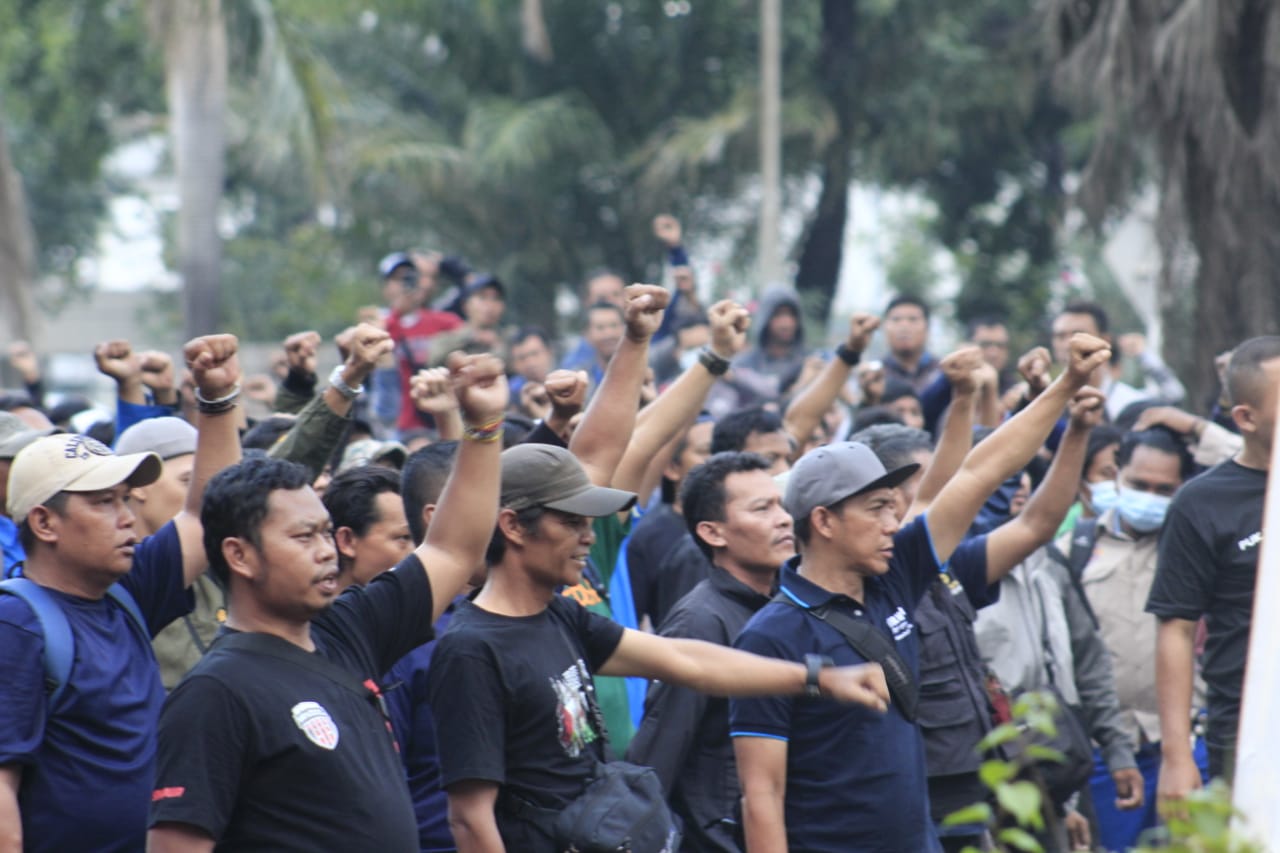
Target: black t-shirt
[[510, 699], [1208, 566], [263, 752], [655, 535]]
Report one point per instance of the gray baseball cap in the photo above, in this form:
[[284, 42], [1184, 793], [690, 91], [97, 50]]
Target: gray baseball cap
[[165, 437], [550, 476], [15, 434], [829, 474]]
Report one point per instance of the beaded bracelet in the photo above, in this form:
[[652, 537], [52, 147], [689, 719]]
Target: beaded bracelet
[[485, 433], [221, 405]]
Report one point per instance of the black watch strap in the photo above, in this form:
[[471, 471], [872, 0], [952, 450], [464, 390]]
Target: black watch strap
[[813, 665], [714, 364], [848, 356]]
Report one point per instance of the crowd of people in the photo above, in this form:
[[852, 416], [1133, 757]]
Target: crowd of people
[[686, 573]]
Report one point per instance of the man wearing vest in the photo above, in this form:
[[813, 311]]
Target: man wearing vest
[[821, 778], [80, 692]]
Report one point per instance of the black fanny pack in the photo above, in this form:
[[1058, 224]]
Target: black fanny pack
[[622, 810]]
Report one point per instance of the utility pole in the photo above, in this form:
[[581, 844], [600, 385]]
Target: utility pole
[[769, 261]]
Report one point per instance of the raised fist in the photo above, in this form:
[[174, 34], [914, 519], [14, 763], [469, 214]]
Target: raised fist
[[643, 310], [1086, 409], [667, 229], [962, 369], [365, 344], [116, 359], [23, 359], [432, 391], [729, 323], [861, 327], [480, 384], [300, 351], [1087, 355], [1033, 367], [214, 366], [567, 391]]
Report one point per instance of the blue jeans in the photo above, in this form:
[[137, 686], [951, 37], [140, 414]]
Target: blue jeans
[[1119, 830]]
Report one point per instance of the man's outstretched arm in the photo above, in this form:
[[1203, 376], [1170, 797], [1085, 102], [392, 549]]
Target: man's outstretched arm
[[467, 510]]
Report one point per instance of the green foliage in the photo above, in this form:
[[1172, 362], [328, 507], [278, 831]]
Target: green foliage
[[1201, 823], [69, 69]]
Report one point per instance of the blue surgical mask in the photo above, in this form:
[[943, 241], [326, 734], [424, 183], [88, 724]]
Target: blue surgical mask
[[1143, 511], [1103, 495]]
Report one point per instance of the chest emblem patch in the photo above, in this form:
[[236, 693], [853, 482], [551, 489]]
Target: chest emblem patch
[[316, 724]]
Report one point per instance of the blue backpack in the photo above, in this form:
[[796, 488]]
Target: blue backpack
[[59, 644]]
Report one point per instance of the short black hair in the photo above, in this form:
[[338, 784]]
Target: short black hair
[[1245, 380], [896, 389], [869, 416], [907, 299], [1100, 438], [602, 305], [266, 432], [1157, 438], [893, 444], [702, 493], [984, 321], [1093, 309], [422, 480], [528, 518], [732, 431], [525, 332], [236, 502], [56, 504], [803, 528], [352, 498]]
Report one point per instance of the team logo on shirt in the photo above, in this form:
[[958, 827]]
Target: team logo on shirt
[[316, 724], [572, 718], [899, 624]]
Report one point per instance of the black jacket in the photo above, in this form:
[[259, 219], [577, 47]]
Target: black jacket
[[685, 735]]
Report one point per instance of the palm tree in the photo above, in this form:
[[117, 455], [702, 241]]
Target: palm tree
[[1190, 84], [17, 251], [194, 36]]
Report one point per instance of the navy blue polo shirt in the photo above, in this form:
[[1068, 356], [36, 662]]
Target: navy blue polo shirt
[[856, 779]]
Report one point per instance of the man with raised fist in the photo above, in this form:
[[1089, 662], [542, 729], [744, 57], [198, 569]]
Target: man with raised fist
[[81, 691], [279, 738]]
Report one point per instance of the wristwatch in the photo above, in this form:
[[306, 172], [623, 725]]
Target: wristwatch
[[849, 356], [716, 365], [813, 665], [335, 380]]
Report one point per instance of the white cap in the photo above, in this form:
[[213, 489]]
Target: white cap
[[72, 463]]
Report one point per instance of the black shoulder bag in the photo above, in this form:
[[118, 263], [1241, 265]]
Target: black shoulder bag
[[621, 810], [864, 639]]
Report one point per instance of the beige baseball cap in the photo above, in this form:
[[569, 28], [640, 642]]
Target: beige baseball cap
[[72, 463]]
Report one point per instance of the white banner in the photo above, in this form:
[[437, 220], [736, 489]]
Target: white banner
[[1257, 779]]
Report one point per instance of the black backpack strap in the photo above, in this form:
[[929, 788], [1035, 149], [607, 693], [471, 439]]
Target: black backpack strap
[[1083, 537], [864, 639]]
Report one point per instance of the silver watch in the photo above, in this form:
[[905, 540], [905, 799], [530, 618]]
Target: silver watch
[[335, 380]]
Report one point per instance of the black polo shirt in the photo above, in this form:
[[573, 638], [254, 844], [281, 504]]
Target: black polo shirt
[[684, 736], [856, 779], [262, 752]]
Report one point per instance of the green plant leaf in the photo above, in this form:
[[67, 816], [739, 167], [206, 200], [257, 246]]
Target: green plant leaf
[[1045, 753], [1022, 800], [976, 813], [992, 773], [1020, 839], [1000, 735]]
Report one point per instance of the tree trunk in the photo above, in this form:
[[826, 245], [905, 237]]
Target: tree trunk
[[17, 252], [1232, 218], [818, 271], [195, 48]]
